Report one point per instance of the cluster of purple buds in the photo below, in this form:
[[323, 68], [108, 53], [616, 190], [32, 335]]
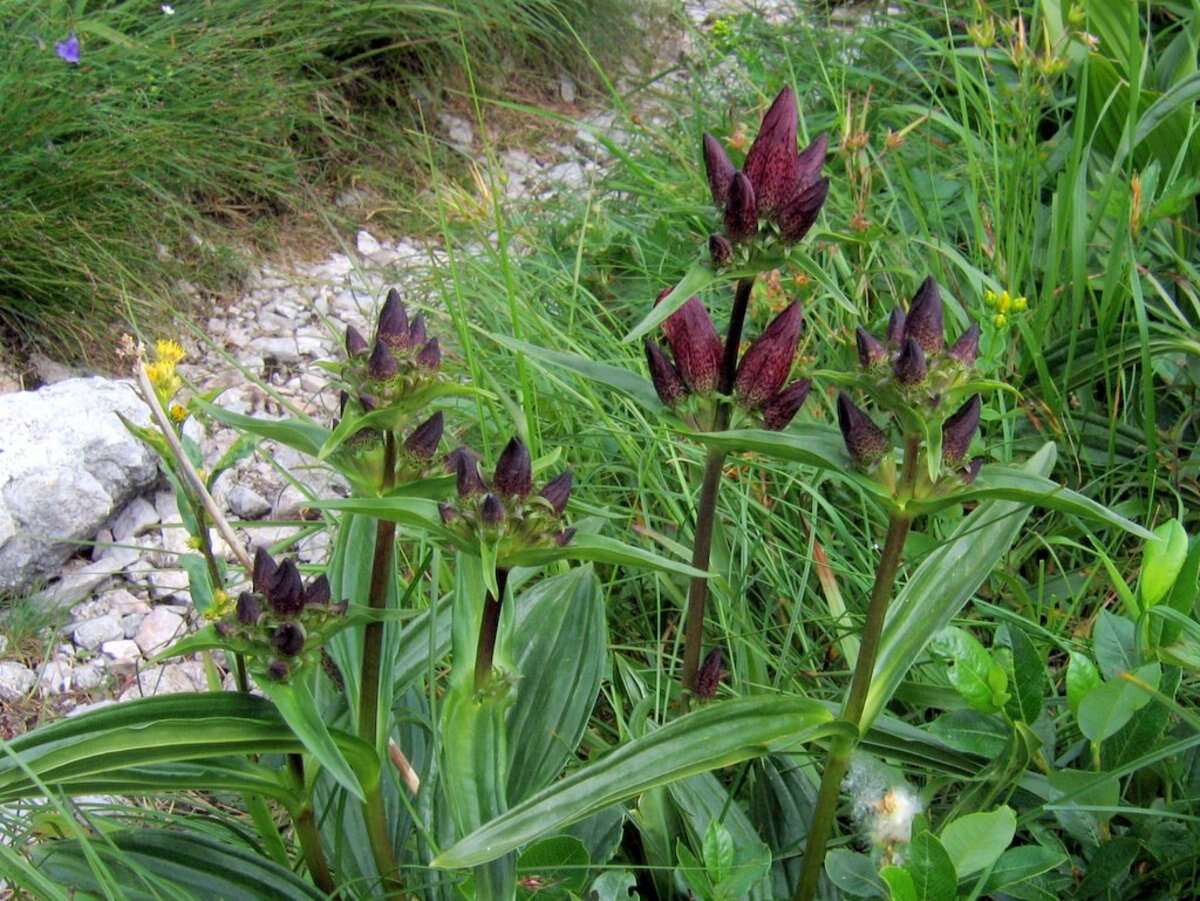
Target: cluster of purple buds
[[401, 358], [908, 374], [776, 183], [693, 366], [281, 619], [506, 512]]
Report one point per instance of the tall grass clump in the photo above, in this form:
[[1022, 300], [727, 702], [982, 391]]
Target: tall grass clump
[[123, 167]]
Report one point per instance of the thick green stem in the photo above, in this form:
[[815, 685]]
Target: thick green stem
[[837, 759], [374, 814], [305, 824], [489, 628], [706, 511]]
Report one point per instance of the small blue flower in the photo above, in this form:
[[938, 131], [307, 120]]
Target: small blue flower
[[68, 50]]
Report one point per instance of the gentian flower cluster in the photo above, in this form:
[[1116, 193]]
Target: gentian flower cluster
[[778, 192], [281, 622], [506, 513], [909, 375]]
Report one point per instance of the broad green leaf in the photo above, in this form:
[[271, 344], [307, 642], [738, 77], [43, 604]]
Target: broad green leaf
[[1082, 677], [976, 841], [854, 873], [1108, 707], [151, 731], [943, 583], [613, 885], [783, 793], [972, 731], [696, 279], [1108, 867], [1114, 640], [304, 435], [296, 705], [716, 736], [931, 869], [1017, 865], [615, 377], [561, 646], [899, 883], [1027, 675], [555, 867], [1182, 598], [189, 863], [996, 482], [1144, 729], [703, 801], [972, 671], [1162, 562]]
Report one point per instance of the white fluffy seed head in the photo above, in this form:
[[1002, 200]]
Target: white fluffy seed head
[[884, 805]]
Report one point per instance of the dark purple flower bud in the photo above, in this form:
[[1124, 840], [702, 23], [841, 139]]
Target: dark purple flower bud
[[382, 364], [924, 323], [694, 342], [249, 608], [865, 441], [285, 593], [393, 321], [910, 367], [278, 671], [343, 399], [720, 251], [416, 331], [223, 630], [317, 591], [563, 538], [710, 674], [463, 462], [741, 214], [895, 329], [514, 470], [720, 170], [491, 511], [870, 349], [288, 639], [966, 348], [812, 159], [340, 608], [783, 407], [958, 430], [447, 513], [424, 440], [368, 402], [771, 163], [969, 472], [766, 365], [795, 219], [356, 344], [558, 491], [264, 570], [667, 382], [430, 356]]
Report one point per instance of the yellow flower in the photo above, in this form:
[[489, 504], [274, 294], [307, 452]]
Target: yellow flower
[[1020, 304], [168, 351], [222, 605], [999, 320], [178, 412]]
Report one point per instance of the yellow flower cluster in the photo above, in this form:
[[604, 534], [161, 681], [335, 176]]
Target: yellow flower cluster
[[222, 606], [163, 377], [1004, 304]]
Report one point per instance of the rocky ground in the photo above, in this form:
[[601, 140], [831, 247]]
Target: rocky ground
[[89, 527]]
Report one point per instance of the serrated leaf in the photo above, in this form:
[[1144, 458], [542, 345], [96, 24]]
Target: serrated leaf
[[717, 735]]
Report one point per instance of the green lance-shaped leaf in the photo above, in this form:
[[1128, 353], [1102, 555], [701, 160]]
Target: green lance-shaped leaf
[[696, 279], [618, 378], [296, 705], [304, 435], [810, 444], [716, 736], [1011, 484], [178, 727], [943, 583], [561, 646], [601, 549], [152, 864]]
